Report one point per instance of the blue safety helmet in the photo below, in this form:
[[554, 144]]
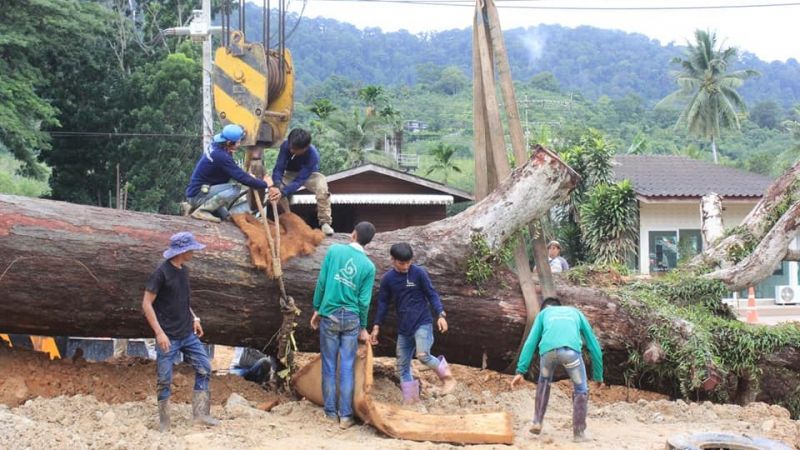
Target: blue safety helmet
[[231, 133]]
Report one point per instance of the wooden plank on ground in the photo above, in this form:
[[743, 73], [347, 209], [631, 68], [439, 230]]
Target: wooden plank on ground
[[394, 421]]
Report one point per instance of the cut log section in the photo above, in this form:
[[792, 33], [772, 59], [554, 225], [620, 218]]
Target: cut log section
[[394, 421]]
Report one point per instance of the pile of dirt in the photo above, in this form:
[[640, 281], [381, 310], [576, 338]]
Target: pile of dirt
[[114, 417], [477, 388], [25, 375]]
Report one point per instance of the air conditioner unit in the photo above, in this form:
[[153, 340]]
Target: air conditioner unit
[[787, 295]]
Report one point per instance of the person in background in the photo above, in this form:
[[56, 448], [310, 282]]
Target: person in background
[[557, 263], [558, 334]]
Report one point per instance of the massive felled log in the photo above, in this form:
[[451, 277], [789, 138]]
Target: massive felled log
[[77, 270]]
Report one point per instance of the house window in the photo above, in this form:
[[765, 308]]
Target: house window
[[690, 244], [663, 250], [669, 248]]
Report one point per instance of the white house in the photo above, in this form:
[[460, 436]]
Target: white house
[[669, 189]]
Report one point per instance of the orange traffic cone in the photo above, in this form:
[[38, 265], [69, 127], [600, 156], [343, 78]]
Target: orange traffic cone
[[752, 313]]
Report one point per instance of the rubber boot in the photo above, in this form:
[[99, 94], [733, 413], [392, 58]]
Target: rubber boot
[[542, 398], [163, 415], [202, 214], [201, 409], [410, 392], [444, 373], [580, 404]]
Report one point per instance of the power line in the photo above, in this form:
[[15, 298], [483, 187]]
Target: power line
[[100, 134], [470, 4]]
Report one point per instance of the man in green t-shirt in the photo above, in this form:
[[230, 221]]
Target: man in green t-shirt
[[557, 334], [341, 303]]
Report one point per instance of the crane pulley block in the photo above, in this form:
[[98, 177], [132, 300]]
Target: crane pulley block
[[254, 88]]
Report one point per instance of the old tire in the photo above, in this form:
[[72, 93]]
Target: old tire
[[724, 441]]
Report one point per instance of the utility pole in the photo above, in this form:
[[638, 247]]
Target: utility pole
[[200, 29]]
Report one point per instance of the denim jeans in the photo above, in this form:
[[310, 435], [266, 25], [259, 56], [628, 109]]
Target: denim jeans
[[338, 342], [573, 364], [221, 200], [421, 343], [193, 352]]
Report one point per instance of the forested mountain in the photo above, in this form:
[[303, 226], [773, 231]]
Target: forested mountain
[[589, 60], [94, 97]]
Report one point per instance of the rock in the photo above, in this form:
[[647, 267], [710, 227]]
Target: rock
[[13, 391], [237, 406], [284, 409], [109, 419], [768, 425]]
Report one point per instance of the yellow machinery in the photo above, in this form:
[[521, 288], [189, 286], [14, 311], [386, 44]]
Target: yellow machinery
[[42, 344], [253, 86], [254, 89]]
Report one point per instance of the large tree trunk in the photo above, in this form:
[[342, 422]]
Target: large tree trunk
[[80, 271]]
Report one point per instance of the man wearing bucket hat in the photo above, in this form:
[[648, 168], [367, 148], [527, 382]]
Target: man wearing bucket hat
[[210, 193], [168, 309]]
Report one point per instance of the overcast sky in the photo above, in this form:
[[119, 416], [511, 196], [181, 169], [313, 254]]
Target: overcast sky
[[771, 33]]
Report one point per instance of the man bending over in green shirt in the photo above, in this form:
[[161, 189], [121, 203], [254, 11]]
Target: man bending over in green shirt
[[557, 334], [341, 303]]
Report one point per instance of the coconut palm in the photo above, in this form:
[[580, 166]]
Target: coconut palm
[[371, 95], [354, 133], [443, 160], [323, 108], [708, 86]]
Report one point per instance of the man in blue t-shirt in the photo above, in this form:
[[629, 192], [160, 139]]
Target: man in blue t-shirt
[[210, 193], [410, 287], [298, 166]]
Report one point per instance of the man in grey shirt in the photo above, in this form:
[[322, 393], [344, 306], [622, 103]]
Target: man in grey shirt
[[557, 263]]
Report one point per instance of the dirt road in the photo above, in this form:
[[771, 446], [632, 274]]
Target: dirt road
[[77, 405]]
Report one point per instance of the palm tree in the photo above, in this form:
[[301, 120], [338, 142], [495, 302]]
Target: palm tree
[[354, 133], [371, 95], [443, 160], [323, 108], [709, 88]]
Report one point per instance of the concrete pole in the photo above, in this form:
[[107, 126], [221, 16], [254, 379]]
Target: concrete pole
[[208, 119], [200, 29]]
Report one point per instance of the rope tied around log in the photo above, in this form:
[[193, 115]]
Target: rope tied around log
[[286, 342]]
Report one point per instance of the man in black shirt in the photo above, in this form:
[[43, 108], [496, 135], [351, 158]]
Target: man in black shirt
[[168, 309]]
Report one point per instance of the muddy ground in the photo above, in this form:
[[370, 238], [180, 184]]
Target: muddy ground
[[79, 405]]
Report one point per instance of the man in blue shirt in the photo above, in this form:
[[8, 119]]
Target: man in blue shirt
[[410, 287], [210, 193], [298, 165]]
